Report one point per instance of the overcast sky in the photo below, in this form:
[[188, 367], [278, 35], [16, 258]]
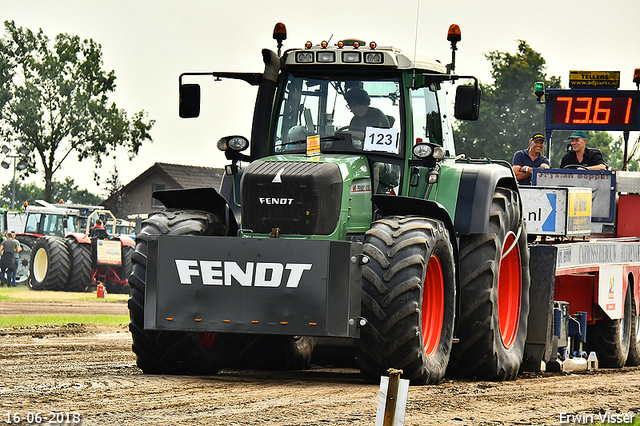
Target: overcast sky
[[148, 43]]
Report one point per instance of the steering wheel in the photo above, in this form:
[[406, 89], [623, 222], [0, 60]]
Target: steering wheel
[[343, 129], [576, 166]]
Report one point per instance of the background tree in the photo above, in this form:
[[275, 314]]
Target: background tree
[[117, 202], [54, 102], [66, 190], [509, 113]]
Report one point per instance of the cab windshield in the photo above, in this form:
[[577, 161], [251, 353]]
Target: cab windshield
[[339, 116]]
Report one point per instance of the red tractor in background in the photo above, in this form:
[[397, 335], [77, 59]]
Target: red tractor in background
[[78, 262]]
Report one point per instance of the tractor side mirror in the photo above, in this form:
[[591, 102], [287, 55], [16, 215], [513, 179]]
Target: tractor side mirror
[[467, 105], [189, 100]]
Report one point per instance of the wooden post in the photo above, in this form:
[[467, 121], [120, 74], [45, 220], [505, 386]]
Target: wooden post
[[392, 397]]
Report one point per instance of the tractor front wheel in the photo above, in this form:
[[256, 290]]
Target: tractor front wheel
[[49, 264], [171, 352], [408, 300]]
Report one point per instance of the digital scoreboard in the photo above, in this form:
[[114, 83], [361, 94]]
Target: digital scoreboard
[[594, 109]]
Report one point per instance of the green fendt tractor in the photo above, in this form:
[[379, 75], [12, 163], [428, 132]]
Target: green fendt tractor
[[351, 220]]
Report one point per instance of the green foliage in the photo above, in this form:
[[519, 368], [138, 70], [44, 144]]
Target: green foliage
[[117, 202], [29, 192], [54, 102], [509, 112]]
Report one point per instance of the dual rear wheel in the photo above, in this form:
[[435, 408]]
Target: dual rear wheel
[[409, 298]]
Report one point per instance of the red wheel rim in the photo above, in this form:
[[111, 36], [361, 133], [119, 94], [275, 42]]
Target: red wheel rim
[[208, 339], [509, 291], [432, 306]]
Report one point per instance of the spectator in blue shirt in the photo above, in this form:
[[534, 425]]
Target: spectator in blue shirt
[[525, 160]]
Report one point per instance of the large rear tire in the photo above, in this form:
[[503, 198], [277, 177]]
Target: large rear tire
[[611, 339], [49, 264], [494, 299], [408, 300], [80, 266]]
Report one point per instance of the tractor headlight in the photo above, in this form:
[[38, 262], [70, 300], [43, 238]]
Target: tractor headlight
[[422, 150], [234, 143], [426, 150]]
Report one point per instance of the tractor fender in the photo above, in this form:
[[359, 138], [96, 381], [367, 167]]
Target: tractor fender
[[80, 237], [205, 199], [398, 205], [478, 183], [126, 241]]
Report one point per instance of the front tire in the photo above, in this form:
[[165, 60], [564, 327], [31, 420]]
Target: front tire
[[494, 287], [170, 352], [408, 300], [49, 264]]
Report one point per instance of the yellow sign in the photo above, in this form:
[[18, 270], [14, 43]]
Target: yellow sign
[[594, 79], [580, 204], [313, 145]]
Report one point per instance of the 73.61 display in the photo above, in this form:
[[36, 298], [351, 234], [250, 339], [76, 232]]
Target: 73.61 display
[[592, 109]]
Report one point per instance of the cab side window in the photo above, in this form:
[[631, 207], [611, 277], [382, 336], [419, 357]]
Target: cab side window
[[427, 122]]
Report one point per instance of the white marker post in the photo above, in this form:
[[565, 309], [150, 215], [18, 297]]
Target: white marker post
[[392, 399]]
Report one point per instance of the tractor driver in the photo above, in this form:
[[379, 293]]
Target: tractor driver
[[94, 229], [358, 101]]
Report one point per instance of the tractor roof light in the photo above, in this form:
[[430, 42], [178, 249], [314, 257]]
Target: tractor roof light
[[280, 34], [326, 56], [636, 76], [304, 57], [373, 45], [324, 44], [351, 57], [454, 35], [308, 45], [373, 58], [340, 44]]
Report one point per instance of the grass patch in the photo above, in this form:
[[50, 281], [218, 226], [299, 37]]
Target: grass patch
[[9, 321], [24, 294]]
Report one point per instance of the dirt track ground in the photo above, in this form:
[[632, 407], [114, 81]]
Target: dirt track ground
[[91, 371]]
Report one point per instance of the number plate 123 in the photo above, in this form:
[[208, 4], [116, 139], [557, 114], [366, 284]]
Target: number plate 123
[[386, 140]]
